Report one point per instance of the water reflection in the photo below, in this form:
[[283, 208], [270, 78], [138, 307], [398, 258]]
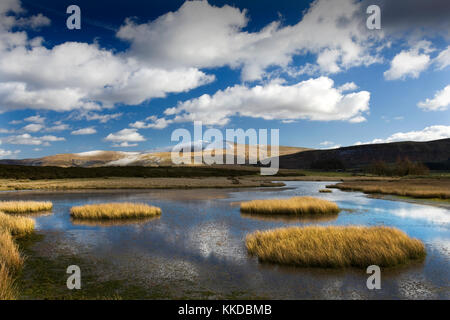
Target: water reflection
[[111, 222], [290, 218], [198, 243]]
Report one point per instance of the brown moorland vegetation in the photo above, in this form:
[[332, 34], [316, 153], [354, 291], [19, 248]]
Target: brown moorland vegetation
[[124, 210], [417, 188], [16, 225], [290, 206], [7, 288], [11, 261], [25, 206], [335, 246]]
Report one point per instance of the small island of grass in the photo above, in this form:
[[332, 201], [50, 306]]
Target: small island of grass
[[290, 206], [123, 210], [25, 206], [325, 191], [335, 246]]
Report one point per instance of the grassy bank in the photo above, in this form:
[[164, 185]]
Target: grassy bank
[[25, 206], [335, 247], [137, 183], [123, 210], [292, 206], [11, 260], [40, 173], [415, 188], [16, 225]]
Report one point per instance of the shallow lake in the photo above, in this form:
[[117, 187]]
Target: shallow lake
[[196, 249]]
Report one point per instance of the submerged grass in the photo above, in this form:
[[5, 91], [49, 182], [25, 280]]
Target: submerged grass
[[16, 225], [335, 246], [125, 210], [325, 191], [24, 206], [291, 206]]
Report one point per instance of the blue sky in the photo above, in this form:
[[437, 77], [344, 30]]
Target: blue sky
[[137, 70]]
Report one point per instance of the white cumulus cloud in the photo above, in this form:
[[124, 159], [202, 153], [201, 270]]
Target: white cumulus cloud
[[125, 135], [410, 63], [7, 153], [441, 101], [28, 139], [313, 99], [427, 134], [203, 36], [88, 77], [84, 131], [443, 59]]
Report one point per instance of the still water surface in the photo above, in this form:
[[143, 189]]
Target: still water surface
[[197, 247]]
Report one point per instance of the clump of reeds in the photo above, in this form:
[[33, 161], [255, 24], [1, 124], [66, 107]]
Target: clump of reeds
[[11, 261], [9, 251], [24, 206], [8, 289], [16, 225], [291, 206], [123, 210], [335, 246], [325, 191]]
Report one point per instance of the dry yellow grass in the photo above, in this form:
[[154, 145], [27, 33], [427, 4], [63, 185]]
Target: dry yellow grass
[[291, 206], [325, 191], [9, 251], [335, 246], [24, 206], [7, 288], [16, 225], [417, 188], [135, 183], [11, 261], [125, 210]]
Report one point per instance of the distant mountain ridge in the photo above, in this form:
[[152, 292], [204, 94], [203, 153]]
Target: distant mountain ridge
[[162, 157], [430, 152], [435, 152]]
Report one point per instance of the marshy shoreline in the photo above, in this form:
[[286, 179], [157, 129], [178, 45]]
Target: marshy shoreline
[[398, 189], [209, 230]]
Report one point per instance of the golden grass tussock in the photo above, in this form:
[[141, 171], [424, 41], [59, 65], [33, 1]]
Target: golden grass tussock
[[16, 225], [420, 188], [25, 206], [335, 246], [291, 206], [11, 261], [125, 210], [8, 289], [9, 251], [325, 191]]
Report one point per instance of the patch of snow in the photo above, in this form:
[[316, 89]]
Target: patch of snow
[[130, 157], [89, 153]]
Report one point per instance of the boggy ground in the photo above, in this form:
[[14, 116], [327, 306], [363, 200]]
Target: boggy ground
[[174, 183], [416, 188], [44, 277]]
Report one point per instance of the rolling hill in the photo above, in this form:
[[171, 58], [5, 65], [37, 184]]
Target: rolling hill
[[100, 158], [433, 153]]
